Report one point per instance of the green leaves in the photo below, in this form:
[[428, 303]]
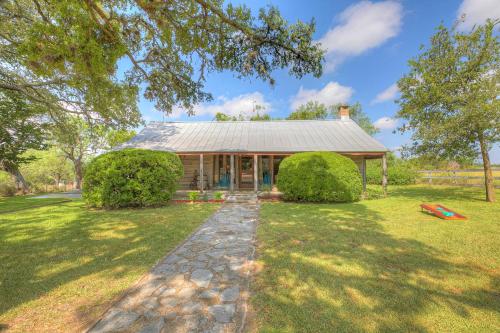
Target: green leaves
[[399, 171], [313, 110], [309, 111], [450, 97], [132, 178], [319, 177], [21, 128], [450, 94], [117, 137], [170, 47], [50, 167]]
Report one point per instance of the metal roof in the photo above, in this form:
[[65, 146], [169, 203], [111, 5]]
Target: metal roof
[[286, 136]]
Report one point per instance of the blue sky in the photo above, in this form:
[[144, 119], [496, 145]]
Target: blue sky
[[368, 43]]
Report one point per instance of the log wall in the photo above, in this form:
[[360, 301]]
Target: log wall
[[192, 166]]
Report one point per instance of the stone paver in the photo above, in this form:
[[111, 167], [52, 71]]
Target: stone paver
[[202, 286]]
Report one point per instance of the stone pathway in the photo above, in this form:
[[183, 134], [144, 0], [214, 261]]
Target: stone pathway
[[202, 286]]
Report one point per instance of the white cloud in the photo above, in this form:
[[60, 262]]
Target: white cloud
[[386, 123], [332, 93], [362, 26], [388, 94], [477, 11], [240, 105]]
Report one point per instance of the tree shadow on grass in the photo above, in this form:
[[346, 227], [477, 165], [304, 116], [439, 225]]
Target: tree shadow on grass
[[333, 268], [70, 247]]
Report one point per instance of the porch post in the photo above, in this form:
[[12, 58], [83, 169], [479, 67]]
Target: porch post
[[231, 177], [363, 173], [216, 170], [384, 174], [237, 175], [201, 173], [271, 163], [261, 169], [255, 173]]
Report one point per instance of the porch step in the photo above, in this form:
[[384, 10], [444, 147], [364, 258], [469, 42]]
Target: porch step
[[241, 198]]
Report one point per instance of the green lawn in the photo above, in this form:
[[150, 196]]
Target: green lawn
[[61, 265], [380, 265], [19, 203]]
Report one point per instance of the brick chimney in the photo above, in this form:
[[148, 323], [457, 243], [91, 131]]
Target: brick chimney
[[344, 112]]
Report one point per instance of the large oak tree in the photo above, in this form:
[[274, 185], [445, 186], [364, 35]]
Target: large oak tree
[[65, 54]]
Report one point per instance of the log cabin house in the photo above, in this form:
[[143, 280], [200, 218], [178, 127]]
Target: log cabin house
[[239, 155]]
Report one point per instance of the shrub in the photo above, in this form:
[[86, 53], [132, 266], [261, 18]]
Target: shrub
[[7, 185], [218, 195], [319, 177], [131, 178], [193, 196], [401, 175], [399, 172]]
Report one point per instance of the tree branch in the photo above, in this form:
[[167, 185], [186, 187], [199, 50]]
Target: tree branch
[[247, 31], [111, 33]]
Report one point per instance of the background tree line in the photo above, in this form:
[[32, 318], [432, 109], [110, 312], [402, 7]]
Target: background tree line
[[311, 110]]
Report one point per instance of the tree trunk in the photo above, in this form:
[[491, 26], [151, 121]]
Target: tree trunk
[[19, 179], [78, 174], [384, 174], [58, 180], [488, 174]]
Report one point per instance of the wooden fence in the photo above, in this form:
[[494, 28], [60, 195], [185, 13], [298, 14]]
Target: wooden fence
[[40, 188], [464, 177], [60, 187]]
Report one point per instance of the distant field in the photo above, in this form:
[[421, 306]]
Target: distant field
[[469, 177]]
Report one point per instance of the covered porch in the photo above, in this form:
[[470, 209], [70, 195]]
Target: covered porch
[[249, 171]]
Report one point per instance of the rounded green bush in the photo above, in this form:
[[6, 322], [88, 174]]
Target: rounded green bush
[[398, 173], [319, 177], [131, 178]]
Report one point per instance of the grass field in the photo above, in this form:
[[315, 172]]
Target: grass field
[[62, 264], [18, 203], [380, 265]]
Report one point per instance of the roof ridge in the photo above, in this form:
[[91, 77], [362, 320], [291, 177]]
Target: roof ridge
[[250, 121]]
